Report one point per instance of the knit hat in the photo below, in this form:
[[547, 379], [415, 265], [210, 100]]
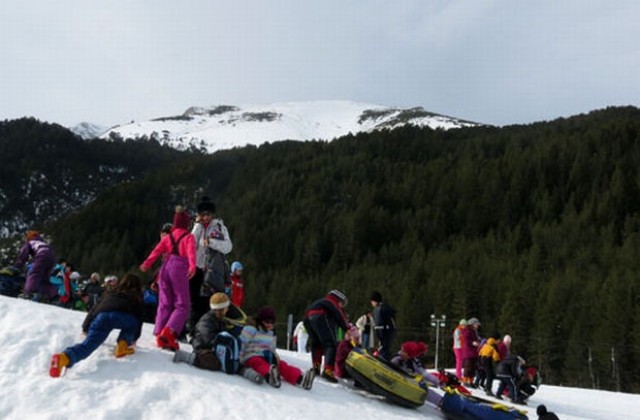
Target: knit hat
[[410, 348], [266, 313], [218, 301], [507, 339], [541, 410], [110, 279], [463, 322], [236, 265], [339, 295], [181, 218], [205, 206], [376, 296], [473, 321]]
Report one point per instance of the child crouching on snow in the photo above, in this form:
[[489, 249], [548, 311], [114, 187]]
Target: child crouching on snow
[[121, 308], [350, 341], [408, 359], [259, 353]]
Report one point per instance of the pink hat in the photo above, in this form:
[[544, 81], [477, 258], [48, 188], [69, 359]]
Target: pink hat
[[181, 218]]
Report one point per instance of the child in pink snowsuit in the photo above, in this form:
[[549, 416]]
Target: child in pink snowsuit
[[179, 265]]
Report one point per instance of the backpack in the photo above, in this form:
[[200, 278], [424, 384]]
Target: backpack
[[227, 349]]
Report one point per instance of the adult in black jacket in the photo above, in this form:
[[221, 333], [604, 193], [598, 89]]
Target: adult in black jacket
[[120, 308], [208, 327], [543, 414], [385, 324], [508, 372], [322, 319]]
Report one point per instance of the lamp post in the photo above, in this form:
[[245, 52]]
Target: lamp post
[[438, 322]]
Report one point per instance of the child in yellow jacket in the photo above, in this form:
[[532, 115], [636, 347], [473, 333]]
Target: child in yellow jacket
[[489, 358]]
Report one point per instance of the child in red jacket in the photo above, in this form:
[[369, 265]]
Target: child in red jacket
[[350, 341]]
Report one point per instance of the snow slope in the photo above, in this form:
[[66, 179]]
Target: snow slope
[[227, 126], [147, 385]]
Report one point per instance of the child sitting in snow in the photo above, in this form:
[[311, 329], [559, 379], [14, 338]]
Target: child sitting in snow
[[120, 308], [259, 353], [350, 341], [409, 358]]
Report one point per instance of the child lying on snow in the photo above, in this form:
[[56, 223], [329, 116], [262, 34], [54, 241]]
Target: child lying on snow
[[408, 359], [121, 308], [259, 353]]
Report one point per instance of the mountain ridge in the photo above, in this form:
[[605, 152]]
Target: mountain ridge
[[218, 127]]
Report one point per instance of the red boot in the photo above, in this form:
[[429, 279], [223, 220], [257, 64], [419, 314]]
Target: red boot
[[167, 340], [58, 364]]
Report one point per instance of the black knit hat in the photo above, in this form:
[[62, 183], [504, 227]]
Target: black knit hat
[[376, 296], [206, 205]]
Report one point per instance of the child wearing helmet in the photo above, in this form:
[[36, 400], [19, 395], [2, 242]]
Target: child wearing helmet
[[322, 319]]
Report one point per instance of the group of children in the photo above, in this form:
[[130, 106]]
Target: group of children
[[480, 361]]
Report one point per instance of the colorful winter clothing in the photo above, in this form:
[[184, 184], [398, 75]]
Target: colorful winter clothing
[[212, 244], [457, 346], [259, 353], [489, 357], [44, 259], [322, 319], [237, 289], [471, 342], [114, 311], [173, 279]]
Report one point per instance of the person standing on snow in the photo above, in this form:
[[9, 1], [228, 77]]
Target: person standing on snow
[[213, 243], [237, 284], [37, 285], [385, 324], [178, 249], [322, 320], [457, 346]]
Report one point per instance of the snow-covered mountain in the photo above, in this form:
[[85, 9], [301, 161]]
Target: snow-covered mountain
[[227, 126], [88, 130]]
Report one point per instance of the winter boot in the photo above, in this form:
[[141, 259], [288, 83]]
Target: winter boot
[[58, 365], [182, 356], [274, 377], [328, 375], [307, 379], [251, 375], [123, 349], [167, 340]]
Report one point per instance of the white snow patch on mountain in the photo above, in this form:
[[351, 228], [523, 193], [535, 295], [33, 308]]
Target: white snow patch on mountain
[[227, 126]]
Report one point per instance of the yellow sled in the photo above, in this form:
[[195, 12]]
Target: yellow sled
[[381, 379]]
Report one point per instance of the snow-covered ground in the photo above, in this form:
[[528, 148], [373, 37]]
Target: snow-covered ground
[[147, 385], [226, 126]]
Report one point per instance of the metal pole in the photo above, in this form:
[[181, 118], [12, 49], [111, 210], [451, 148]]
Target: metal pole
[[438, 323]]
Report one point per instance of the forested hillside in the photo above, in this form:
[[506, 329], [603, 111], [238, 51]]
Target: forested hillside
[[533, 229], [47, 171]]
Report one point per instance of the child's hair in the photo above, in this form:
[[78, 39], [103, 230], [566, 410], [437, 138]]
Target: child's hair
[[129, 284], [32, 234]]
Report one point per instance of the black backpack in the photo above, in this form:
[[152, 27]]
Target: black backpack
[[227, 349]]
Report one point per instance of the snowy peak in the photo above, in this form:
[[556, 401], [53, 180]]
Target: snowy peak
[[226, 126], [88, 130]]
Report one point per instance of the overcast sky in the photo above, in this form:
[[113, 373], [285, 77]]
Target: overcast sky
[[497, 62]]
